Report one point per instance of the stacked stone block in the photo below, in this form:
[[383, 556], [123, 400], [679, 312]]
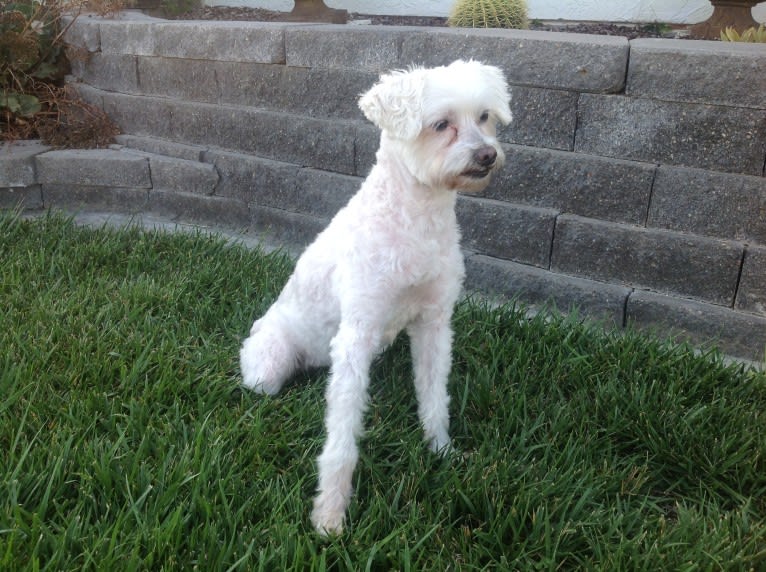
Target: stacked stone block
[[634, 188]]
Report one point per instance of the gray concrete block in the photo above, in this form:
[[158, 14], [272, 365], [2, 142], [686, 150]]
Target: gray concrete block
[[162, 147], [694, 135], [751, 294], [283, 137], [93, 167], [254, 84], [294, 230], [330, 93], [84, 33], [540, 288], [736, 333], [266, 183], [709, 203], [542, 118], [182, 78], [367, 141], [340, 46], [313, 92], [328, 145], [669, 262], [91, 197], [494, 228], [136, 115], [249, 178], [17, 162], [111, 72], [87, 93], [128, 37], [171, 174], [23, 198], [320, 193], [225, 41], [586, 185], [577, 62], [670, 69], [306, 141], [190, 207]]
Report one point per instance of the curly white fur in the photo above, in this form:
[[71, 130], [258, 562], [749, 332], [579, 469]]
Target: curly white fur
[[389, 261]]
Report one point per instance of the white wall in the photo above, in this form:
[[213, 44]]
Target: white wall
[[670, 11]]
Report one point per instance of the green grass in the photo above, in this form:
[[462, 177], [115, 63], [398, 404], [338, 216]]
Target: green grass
[[125, 443]]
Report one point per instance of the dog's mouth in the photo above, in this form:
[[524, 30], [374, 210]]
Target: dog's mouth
[[477, 173]]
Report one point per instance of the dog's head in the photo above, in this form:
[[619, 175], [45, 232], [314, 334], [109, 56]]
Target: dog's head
[[442, 121]]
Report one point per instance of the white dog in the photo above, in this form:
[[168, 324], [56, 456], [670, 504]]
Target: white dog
[[388, 261]]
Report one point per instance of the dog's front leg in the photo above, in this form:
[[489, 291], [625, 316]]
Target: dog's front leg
[[431, 345], [352, 352]]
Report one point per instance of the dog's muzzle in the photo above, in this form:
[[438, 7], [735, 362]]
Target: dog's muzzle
[[484, 158]]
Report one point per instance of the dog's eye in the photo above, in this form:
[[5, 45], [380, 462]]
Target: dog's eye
[[484, 116], [441, 125]]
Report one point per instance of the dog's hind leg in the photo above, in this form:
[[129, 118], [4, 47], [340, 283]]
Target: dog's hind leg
[[267, 358], [431, 345]]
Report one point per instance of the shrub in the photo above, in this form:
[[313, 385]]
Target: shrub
[[33, 64], [489, 14]]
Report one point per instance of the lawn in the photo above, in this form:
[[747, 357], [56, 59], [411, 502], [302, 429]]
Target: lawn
[[126, 444]]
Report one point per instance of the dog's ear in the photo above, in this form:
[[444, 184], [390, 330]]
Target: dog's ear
[[498, 88], [395, 103]]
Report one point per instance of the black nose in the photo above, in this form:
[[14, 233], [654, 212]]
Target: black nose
[[485, 156]]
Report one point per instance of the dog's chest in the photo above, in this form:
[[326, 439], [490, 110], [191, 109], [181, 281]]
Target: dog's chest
[[428, 281], [420, 256]]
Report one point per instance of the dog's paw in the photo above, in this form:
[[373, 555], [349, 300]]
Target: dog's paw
[[256, 384], [329, 514], [255, 370], [443, 448], [254, 381], [439, 442]]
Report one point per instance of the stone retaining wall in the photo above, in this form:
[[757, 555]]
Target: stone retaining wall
[[634, 187]]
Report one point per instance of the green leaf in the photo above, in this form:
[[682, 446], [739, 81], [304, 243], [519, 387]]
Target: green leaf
[[10, 102], [45, 70], [26, 8], [30, 105], [20, 103]]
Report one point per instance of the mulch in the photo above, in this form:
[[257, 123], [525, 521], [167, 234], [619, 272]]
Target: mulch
[[601, 28]]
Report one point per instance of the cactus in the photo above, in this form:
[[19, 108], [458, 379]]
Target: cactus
[[489, 14]]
